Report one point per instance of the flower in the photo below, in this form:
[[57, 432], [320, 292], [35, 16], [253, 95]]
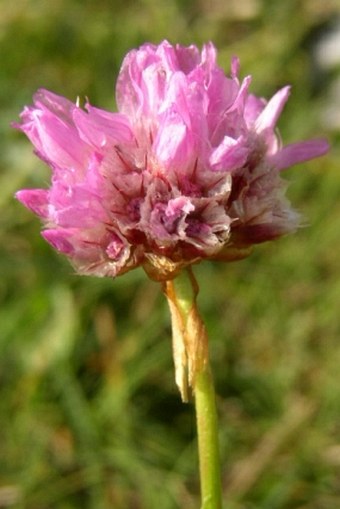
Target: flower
[[188, 169]]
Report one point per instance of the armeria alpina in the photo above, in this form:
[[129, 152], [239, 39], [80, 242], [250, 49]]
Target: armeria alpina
[[188, 169]]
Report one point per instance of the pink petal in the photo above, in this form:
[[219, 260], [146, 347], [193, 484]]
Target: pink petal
[[59, 239], [187, 57], [97, 126], [179, 206], [242, 95], [166, 55], [270, 114], [61, 143], [174, 143], [129, 94], [209, 56], [253, 107], [50, 128], [55, 104], [35, 199], [229, 155], [153, 86], [299, 152], [115, 248], [235, 67]]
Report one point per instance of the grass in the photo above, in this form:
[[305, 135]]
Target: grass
[[90, 415]]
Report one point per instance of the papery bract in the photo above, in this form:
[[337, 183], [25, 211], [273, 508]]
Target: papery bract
[[188, 169]]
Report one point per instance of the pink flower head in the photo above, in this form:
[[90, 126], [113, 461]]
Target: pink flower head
[[188, 169]]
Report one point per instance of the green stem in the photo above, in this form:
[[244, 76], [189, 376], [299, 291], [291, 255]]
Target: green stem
[[185, 291], [206, 417]]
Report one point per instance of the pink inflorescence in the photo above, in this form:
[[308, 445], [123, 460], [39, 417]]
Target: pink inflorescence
[[189, 168]]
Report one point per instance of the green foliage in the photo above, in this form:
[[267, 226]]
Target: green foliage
[[90, 416]]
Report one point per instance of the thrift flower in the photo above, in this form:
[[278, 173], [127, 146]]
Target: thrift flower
[[188, 169]]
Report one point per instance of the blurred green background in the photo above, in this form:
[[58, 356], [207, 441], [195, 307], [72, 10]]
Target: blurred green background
[[89, 414]]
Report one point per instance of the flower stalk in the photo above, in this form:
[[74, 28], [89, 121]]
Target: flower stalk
[[208, 447], [190, 347]]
